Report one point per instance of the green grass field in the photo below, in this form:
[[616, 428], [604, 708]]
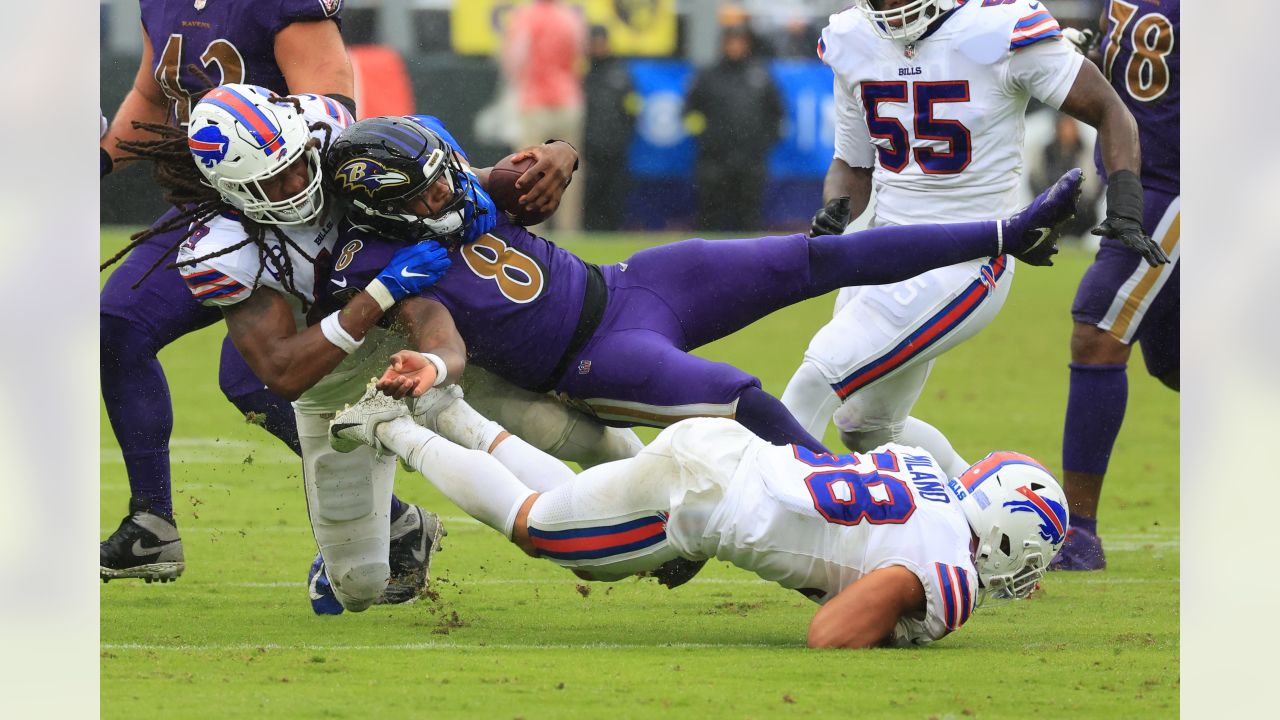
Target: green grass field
[[513, 637]]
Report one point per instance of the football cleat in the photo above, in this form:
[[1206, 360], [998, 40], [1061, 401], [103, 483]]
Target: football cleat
[[323, 601], [1081, 551], [676, 572], [415, 538], [145, 546], [356, 425], [427, 408], [1031, 235]]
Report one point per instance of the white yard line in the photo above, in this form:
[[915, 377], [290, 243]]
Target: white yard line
[[443, 646]]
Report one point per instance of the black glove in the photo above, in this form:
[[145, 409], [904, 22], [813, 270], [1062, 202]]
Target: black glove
[[831, 219], [1124, 218], [104, 163]]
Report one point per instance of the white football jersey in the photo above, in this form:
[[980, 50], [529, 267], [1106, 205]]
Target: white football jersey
[[942, 120], [818, 523], [231, 278]]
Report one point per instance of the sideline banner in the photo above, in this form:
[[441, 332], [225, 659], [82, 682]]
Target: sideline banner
[[636, 27]]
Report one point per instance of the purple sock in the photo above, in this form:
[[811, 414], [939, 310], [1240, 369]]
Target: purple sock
[[768, 418], [883, 255], [397, 508], [139, 409], [1080, 522], [1095, 410]]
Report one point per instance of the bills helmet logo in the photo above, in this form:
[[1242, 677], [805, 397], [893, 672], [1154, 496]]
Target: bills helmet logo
[[369, 176], [209, 145], [1052, 515]]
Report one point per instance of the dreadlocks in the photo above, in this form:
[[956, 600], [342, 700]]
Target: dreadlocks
[[175, 171]]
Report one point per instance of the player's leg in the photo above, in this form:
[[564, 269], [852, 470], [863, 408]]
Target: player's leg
[[133, 326], [545, 422], [1118, 297], [715, 288], [639, 377], [348, 495]]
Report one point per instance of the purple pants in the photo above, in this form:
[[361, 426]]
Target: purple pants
[[1121, 295], [668, 300]]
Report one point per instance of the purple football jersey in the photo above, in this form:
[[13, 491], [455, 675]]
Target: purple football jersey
[[515, 297], [232, 41], [1140, 50]]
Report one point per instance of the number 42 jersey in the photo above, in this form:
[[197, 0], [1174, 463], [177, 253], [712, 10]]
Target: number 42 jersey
[[941, 120]]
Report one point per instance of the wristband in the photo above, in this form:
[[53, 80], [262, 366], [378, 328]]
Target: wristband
[[380, 294], [1124, 195], [441, 370], [336, 334]]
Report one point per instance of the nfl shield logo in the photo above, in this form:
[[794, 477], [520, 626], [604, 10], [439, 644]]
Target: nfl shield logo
[[200, 4], [584, 367]]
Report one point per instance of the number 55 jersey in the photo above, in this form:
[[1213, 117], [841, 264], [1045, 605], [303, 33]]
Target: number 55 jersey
[[818, 523], [942, 118]]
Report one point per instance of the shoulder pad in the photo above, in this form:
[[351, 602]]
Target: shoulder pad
[[218, 280], [318, 108], [844, 41]]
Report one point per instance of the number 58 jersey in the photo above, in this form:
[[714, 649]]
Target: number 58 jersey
[[818, 523], [941, 120]]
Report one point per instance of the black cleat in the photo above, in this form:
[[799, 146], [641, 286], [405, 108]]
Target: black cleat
[[146, 545], [677, 571], [415, 537]]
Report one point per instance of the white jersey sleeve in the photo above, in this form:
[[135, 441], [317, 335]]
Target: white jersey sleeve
[[225, 279], [853, 139], [1046, 70]]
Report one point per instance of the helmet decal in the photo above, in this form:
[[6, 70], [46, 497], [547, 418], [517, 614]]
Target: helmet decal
[[1053, 517], [268, 136], [209, 145], [991, 464], [368, 175]]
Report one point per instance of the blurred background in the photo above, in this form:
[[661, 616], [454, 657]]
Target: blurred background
[[649, 141]]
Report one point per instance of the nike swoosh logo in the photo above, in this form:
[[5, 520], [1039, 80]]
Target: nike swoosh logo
[[405, 273], [311, 589], [140, 550], [339, 427], [1044, 233], [1035, 6], [339, 284]]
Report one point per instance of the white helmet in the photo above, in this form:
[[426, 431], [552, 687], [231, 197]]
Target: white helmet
[[1019, 515], [905, 23], [241, 135]]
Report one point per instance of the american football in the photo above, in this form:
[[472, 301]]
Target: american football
[[502, 188]]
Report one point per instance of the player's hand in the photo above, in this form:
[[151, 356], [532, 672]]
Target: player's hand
[[1082, 40], [544, 183], [479, 212], [414, 268], [831, 219], [1134, 237], [409, 375]]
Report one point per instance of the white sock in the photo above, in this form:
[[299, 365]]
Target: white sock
[[530, 465], [463, 425], [472, 479], [810, 399], [921, 434], [589, 443]]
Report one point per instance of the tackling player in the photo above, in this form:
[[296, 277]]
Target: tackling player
[[1121, 300], [930, 99], [894, 551]]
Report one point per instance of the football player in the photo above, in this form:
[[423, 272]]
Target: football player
[[1121, 300], [930, 98], [894, 550], [259, 242], [616, 340], [291, 45]]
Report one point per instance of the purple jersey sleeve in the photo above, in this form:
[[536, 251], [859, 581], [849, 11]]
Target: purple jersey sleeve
[[230, 41], [515, 297], [1140, 57]]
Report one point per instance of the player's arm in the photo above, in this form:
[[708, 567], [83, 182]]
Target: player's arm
[[846, 189], [287, 361], [432, 332], [313, 59], [864, 614], [143, 103]]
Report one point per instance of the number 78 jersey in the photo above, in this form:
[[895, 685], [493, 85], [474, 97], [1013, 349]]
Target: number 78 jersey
[[941, 121]]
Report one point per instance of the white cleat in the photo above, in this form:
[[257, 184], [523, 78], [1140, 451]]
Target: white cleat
[[427, 408], [357, 424]]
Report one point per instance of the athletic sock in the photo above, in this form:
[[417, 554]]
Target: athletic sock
[[1095, 410], [534, 468], [472, 479], [921, 434], [883, 255], [398, 508], [768, 418], [136, 395], [1082, 522]]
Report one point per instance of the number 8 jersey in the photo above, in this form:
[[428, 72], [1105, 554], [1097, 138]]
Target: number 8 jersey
[[941, 119]]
